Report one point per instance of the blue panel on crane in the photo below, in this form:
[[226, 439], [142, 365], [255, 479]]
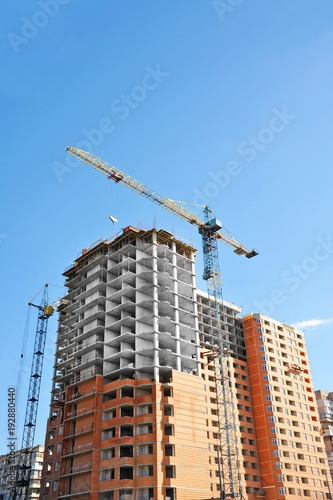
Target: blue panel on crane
[[215, 224]]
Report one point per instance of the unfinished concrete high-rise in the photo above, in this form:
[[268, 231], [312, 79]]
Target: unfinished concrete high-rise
[[133, 410], [127, 347]]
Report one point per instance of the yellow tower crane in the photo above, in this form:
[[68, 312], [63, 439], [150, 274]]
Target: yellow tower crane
[[209, 228]]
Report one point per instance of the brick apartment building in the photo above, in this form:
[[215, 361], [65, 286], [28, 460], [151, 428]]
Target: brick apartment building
[[7, 465], [133, 411]]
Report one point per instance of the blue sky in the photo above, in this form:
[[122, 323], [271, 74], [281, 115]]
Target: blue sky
[[206, 102]]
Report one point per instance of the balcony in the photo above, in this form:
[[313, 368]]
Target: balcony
[[86, 344], [80, 448], [87, 359], [80, 378], [75, 469], [80, 394], [84, 410], [79, 430]]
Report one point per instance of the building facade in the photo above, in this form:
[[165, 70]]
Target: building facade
[[325, 408], [291, 451], [7, 462], [134, 405]]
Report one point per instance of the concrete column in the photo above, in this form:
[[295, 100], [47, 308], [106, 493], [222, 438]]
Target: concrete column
[[195, 310], [155, 306], [175, 289]]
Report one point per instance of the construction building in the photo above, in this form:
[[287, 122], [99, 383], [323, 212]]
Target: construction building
[[289, 441], [133, 410], [8, 463], [325, 408]]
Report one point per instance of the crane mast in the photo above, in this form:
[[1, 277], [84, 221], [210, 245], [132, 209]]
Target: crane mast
[[227, 449], [227, 452], [23, 472]]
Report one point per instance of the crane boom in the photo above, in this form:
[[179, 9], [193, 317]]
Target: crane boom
[[173, 207], [227, 448]]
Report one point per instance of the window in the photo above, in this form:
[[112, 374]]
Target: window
[[169, 450], [270, 408], [273, 430], [280, 478], [145, 429], [58, 448], [168, 410], [108, 433], [265, 368], [56, 466], [106, 415], [269, 397], [126, 451], [127, 430], [170, 471], [263, 357], [275, 442], [106, 475], [267, 387], [55, 485], [144, 449], [125, 494], [144, 409], [170, 493], [144, 470], [126, 473], [168, 430], [277, 453], [109, 453], [278, 465], [106, 495], [261, 338], [282, 491], [127, 392]]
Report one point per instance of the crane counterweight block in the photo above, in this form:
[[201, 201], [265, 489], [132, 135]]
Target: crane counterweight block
[[48, 311]]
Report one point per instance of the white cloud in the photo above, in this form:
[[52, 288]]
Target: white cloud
[[312, 322]]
